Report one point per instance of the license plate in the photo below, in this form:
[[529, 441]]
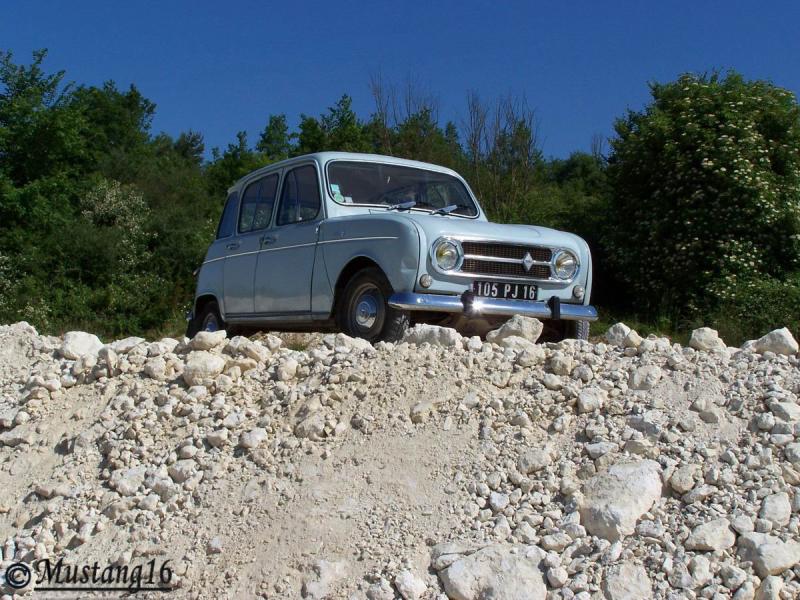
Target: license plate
[[507, 291]]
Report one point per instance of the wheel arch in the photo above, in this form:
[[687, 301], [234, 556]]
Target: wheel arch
[[355, 265], [203, 299]]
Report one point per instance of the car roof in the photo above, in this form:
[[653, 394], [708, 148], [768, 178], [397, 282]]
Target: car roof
[[324, 157]]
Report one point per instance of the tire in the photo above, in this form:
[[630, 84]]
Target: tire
[[207, 319], [578, 330], [363, 310]]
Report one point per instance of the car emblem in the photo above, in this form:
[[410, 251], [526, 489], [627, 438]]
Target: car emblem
[[527, 261]]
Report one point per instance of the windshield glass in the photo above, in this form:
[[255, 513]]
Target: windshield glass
[[381, 184]]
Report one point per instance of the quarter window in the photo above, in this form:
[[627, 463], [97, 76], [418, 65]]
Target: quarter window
[[228, 219], [300, 199], [257, 204]]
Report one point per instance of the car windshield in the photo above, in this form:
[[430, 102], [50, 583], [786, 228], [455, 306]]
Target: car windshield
[[370, 183]]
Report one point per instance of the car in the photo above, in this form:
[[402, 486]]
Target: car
[[371, 245]]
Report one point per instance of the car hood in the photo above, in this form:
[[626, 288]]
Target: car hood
[[435, 226]]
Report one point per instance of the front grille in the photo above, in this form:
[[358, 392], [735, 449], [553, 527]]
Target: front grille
[[485, 267], [514, 251]]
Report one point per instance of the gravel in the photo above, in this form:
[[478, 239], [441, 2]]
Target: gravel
[[440, 467]]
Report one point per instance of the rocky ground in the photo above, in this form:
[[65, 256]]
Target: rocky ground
[[441, 467]]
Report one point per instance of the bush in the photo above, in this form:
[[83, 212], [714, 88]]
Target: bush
[[706, 181], [757, 307]]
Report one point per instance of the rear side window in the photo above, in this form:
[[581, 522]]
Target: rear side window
[[228, 219], [257, 204], [300, 199]]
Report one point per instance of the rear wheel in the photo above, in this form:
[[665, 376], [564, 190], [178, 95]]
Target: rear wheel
[[363, 310], [206, 319]]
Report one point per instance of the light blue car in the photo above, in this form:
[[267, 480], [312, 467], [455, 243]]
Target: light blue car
[[371, 244]]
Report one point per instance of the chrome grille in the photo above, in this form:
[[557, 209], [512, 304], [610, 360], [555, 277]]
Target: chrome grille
[[495, 259], [485, 267], [514, 251]]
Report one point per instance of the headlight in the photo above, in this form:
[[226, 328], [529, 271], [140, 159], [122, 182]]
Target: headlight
[[447, 254], [565, 264]]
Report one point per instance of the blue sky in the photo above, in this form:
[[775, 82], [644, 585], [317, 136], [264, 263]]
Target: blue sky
[[220, 67]]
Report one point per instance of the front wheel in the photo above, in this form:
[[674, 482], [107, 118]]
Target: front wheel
[[578, 330], [364, 311]]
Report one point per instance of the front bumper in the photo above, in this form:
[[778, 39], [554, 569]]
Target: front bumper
[[474, 306]]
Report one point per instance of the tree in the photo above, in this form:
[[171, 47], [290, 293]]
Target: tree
[[274, 141], [706, 184]]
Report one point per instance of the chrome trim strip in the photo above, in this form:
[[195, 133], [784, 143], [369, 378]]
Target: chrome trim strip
[[500, 259], [490, 306], [385, 237], [358, 239]]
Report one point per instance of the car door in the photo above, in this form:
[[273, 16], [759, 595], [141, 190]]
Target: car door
[[286, 261], [255, 214]]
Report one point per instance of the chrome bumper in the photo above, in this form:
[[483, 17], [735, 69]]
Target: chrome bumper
[[475, 306]]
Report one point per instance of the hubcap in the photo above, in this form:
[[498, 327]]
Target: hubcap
[[210, 323], [367, 310]]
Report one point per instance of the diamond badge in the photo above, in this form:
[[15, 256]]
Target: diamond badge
[[527, 261]]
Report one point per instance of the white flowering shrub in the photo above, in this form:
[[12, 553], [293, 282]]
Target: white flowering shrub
[[706, 192]]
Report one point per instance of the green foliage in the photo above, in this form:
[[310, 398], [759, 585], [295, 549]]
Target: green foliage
[[758, 306], [694, 219], [706, 182]]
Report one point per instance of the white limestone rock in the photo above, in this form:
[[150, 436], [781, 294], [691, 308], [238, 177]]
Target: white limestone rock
[[779, 341], [706, 339], [614, 501], [434, 335], [79, 344], [517, 326]]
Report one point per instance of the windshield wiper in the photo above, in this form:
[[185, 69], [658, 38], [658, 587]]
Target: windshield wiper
[[446, 210], [403, 205]]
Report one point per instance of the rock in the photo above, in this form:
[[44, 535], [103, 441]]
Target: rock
[[214, 544], [780, 341], [206, 340], [326, 574], [127, 481], [155, 368], [517, 326], [706, 339], [776, 509], [497, 571], [217, 438], [591, 399], [711, 536], [253, 438], [78, 344], [433, 335], [287, 369], [356, 345], [617, 333], [682, 479], [202, 367], [770, 589], [557, 577], [614, 501], [769, 554], [126, 345], [421, 411], [409, 586], [556, 542], [627, 581], [632, 340], [645, 378], [534, 460], [181, 470]]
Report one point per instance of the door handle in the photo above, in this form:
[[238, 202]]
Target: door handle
[[232, 246], [267, 239]]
